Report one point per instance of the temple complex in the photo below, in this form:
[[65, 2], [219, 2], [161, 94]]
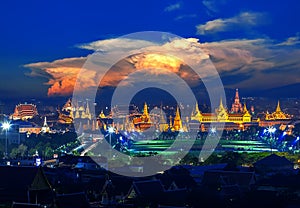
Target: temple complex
[[277, 117]]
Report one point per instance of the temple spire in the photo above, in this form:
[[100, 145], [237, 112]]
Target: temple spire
[[45, 122], [236, 105], [221, 104], [177, 115], [162, 116], [245, 108], [197, 108], [145, 110], [278, 109], [177, 121]]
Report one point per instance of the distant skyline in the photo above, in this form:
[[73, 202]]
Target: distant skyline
[[255, 45]]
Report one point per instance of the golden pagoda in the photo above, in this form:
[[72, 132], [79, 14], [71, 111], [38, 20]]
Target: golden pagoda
[[177, 125], [163, 125], [277, 115], [222, 114], [236, 105], [247, 115], [196, 114], [143, 122]]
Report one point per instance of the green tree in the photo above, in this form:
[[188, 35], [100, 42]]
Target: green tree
[[48, 151], [19, 152]]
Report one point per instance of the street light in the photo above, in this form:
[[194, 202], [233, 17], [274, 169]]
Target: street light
[[110, 131], [6, 126]]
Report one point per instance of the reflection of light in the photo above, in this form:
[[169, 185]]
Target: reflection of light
[[121, 138]]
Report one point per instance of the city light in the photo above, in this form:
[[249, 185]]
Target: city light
[[6, 126], [271, 130], [111, 130], [213, 130]]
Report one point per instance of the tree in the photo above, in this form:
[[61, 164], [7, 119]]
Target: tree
[[22, 150], [48, 151], [19, 152]]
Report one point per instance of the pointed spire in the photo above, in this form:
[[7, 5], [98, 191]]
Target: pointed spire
[[278, 109], [221, 104], [197, 108], [162, 116], [237, 97], [245, 108], [236, 107], [177, 121], [45, 122], [87, 110], [145, 109], [177, 115]]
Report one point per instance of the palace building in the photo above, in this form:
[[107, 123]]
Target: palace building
[[24, 112], [69, 112], [238, 118], [277, 117]]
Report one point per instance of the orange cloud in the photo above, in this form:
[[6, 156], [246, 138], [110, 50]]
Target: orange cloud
[[255, 57], [156, 63], [61, 74]]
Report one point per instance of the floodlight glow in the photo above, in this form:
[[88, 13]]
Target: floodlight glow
[[213, 130], [271, 130], [110, 130], [6, 125]]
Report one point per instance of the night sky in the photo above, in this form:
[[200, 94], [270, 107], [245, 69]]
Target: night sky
[[257, 42]]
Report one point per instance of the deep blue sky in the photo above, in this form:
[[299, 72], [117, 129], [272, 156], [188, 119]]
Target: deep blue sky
[[35, 31]]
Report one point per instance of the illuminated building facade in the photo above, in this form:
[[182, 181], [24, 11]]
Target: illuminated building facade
[[24, 111], [277, 117], [238, 118], [81, 113], [143, 122]]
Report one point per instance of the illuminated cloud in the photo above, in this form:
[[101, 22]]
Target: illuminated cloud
[[261, 61], [158, 63], [115, 44], [61, 74], [244, 20], [172, 7]]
